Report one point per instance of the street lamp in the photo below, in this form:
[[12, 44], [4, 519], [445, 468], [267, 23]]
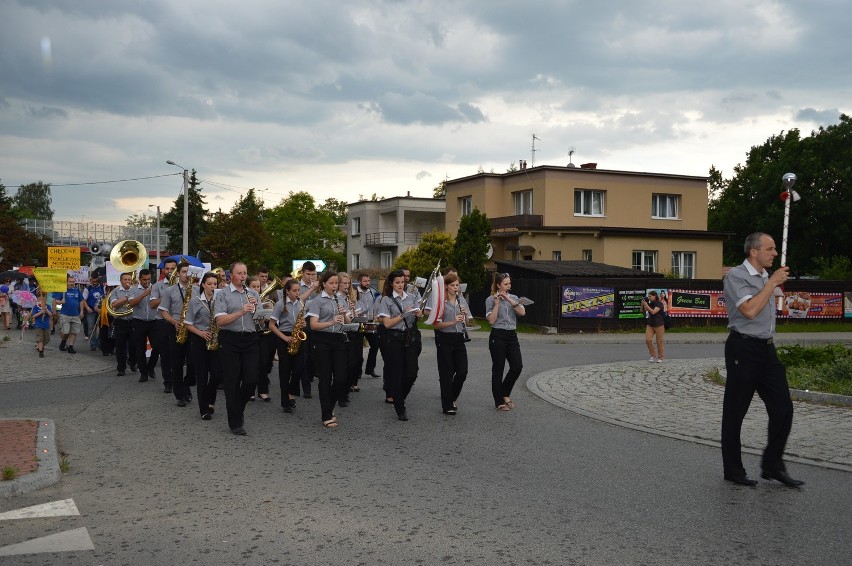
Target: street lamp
[[185, 207], [158, 238]]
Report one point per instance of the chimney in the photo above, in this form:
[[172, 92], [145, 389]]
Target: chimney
[[589, 166], [408, 193]]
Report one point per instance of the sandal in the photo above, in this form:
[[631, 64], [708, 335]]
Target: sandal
[[331, 423], [265, 397], [510, 404], [503, 407], [389, 400], [355, 388]]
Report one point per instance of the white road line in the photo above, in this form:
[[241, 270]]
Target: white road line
[[76, 539], [63, 508]]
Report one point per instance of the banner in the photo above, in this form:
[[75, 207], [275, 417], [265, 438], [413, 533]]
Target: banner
[[709, 304], [799, 304], [63, 257], [81, 275], [847, 305], [51, 280], [630, 304], [588, 302]]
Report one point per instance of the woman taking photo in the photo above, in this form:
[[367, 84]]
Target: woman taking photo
[[281, 323], [502, 310], [450, 338], [399, 340], [205, 361], [654, 326], [326, 316]]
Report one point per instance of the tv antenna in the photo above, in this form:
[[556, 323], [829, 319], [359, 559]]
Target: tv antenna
[[532, 152], [570, 156]]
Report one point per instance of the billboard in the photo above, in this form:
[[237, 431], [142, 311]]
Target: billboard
[[587, 302]]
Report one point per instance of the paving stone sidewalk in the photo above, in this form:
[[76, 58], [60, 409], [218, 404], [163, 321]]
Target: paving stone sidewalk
[[675, 399]]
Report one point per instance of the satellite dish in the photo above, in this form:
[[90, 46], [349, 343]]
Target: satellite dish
[[489, 252], [95, 249]]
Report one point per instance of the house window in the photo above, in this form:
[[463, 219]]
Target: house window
[[557, 256], [588, 203], [356, 261], [523, 202], [683, 264], [665, 206], [645, 260], [356, 226], [587, 255], [386, 259], [465, 206]]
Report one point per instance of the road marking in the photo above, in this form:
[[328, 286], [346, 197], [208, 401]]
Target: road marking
[[76, 539], [63, 508]]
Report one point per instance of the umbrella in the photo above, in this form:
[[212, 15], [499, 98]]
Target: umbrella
[[190, 258], [13, 274], [24, 299]]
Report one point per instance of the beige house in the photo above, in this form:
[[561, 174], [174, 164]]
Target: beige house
[[647, 221]]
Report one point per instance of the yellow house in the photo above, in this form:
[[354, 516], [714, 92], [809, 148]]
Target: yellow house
[[647, 221]]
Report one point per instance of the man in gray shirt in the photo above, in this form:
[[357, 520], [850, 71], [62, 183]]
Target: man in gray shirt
[[752, 363]]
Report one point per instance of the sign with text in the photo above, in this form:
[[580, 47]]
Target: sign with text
[[847, 304], [320, 264], [80, 275], [588, 302], [51, 280], [630, 304], [63, 257], [799, 304], [697, 303]]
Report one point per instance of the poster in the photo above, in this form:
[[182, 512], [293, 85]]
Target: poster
[[697, 303], [588, 302], [800, 304], [847, 304], [63, 257], [630, 304], [51, 280]]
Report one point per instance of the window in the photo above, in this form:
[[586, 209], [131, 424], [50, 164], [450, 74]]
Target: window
[[523, 202], [356, 226], [557, 256], [683, 264], [587, 255], [386, 260], [356, 261], [645, 260], [465, 206], [665, 206], [588, 203]]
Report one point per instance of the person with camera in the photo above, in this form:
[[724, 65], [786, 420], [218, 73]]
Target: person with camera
[[654, 326], [450, 338]]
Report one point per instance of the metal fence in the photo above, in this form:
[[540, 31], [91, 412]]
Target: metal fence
[[70, 233]]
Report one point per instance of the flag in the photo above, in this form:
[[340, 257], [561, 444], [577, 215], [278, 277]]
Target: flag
[[436, 300]]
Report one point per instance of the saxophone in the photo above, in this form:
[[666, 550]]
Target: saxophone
[[181, 329], [298, 334], [213, 343]]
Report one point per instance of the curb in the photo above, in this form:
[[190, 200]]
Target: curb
[[48, 472]]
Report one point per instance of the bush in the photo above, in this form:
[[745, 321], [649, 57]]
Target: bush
[[818, 368]]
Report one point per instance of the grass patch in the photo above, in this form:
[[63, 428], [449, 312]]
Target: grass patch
[[715, 376], [825, 368], [64, 463], [9, 473]]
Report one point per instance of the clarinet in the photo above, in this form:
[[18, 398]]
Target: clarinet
[[336, 302], [464, 322]]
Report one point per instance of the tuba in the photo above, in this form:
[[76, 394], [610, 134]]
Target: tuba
[[127, 255]]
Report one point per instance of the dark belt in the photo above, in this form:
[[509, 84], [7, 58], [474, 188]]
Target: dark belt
[[748, 338], [239, 332]]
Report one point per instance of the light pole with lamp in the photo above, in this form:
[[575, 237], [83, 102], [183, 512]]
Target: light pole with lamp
[[185, 207], [158, 238]]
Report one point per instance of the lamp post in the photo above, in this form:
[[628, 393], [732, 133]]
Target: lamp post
[[185, 207], [158, 239]]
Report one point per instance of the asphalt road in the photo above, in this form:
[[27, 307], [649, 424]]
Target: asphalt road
[[538, 485]]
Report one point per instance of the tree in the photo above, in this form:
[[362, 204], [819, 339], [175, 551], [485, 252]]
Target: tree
[[19, 246], [440, 192], [512, 167], [33, 201], [239, 235], [819, 223], [143, 220], [5, 201], [172, 221], [337, 208], [421, 260], [472, 241], [300, 230]]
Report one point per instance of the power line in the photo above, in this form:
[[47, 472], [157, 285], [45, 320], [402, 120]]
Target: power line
[[114, 181]]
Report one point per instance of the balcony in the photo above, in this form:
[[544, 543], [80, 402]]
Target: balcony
[[517, 222], [392, 238]]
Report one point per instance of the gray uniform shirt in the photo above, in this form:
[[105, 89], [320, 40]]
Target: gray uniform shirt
[[230, 300], [450, 312], [198, 312], [506, 317], [120, 293], [366, 303], [742, 283], [142, 311], [173, 299], [387, 309], [325, 309], [157, 290], [286, 320]]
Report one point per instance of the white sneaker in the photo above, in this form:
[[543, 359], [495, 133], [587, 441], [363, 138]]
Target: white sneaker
[[652, 360], [659, 361]]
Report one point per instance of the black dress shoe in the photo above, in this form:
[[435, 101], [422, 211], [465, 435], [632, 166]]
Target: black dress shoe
[[239, 431], [119, 372], [374, 374], [132, 368], [143, 378], [206, 417], [307, 396], [403, 416], [741, 480], [167, 389], [181, 403], [288, 408], [152, 374], [783, 477]]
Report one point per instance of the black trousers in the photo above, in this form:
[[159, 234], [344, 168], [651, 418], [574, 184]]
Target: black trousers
[[208, 372], [328, 350], [143, 330], [266, 351], [164, 333], [354, 359], [290, 369], [373, 341], [504, 346], [178, 354], [124, 347], [401, 364], [753, 366], [452, 366], [239, 354]]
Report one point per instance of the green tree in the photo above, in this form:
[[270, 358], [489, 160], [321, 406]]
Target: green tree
[[337, 209], [512, 167], [5, 201], [837, 268], [440, 192], [33, 201], [471, 246], [239, 235], [172, 221], [422, 259], [819, 223], [143, 220], [300, 230]]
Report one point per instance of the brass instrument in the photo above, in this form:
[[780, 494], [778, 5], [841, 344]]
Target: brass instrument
[[298, 333], [428, 290], [262, 324], [220, 274], [181, 334], [213, 343], [127, 255]]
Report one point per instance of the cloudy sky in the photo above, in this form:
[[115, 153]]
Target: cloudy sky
[[344, 99]]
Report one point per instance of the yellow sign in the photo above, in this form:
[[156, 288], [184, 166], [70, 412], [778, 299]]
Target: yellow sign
[[63, 257], [51, 280]]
